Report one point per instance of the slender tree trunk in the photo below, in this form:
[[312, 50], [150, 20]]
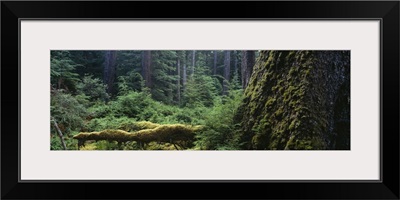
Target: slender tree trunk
[[110, 69], [235, 66], [193, 61], [215, 62], [178, 82], [146, 68], [106, 71], [227, 70], [184, 75], [60, 135], [209, 59], [248, 61], [59, 82]]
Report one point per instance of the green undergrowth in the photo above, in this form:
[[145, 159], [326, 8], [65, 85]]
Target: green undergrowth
[[136, 111]]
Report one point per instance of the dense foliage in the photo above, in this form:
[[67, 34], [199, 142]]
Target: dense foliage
[[185, 90], [200, 100]]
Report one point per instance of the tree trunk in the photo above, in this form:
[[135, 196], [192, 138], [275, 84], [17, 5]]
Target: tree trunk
[[235, 66], [184, 75], [297, 100], [215, 62], [193, 61], [110, 69], [227, 70], [59, 82], [146, 68], [248, 61], [178, 82], [60, 135]]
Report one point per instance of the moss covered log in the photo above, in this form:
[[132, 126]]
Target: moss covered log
[[297, 100], [144, 132], [136, 126]]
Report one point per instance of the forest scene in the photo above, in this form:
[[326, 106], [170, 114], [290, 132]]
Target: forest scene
[[199, 100]]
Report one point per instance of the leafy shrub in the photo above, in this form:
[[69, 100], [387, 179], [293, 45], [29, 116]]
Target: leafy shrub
[[200, 91], [55, 143], [132, 104], [108, 122], [132, 82], [93, 88], [62, 71], [219, 131], [67, 111]]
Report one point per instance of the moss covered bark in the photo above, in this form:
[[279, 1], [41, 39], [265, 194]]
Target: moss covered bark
[[297, 100], [143, 132]]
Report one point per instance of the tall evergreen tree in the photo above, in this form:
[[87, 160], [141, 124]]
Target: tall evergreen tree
[[110, 69], [193, 61], [146, 68], [178, 80], [227, 70], [63, 71], [185, 59], [248, 61], [163, 75], [215, 62]]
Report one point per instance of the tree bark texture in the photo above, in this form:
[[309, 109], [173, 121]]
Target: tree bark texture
[[248, 61], [193, 61], [215, 62], [178, 82], [297, 100], [227, 70], [146, 68], [110, 69]]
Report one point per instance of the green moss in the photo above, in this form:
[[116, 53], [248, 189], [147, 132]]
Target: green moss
[[295, 143], [160, 146], [89, 147], [270, 103], [284, 104], [293, 71], [292, 125], [136, 126], [259, 141], [171, 133], [279, 113]]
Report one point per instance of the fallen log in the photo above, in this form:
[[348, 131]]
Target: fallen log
[[137, 126], [169, 133]]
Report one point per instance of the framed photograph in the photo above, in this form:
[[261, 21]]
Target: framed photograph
[[212, 96]]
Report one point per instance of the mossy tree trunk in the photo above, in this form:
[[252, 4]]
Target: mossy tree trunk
[[297, 100]]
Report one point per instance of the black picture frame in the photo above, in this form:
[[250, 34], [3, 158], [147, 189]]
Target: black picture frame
[[386, 11]]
